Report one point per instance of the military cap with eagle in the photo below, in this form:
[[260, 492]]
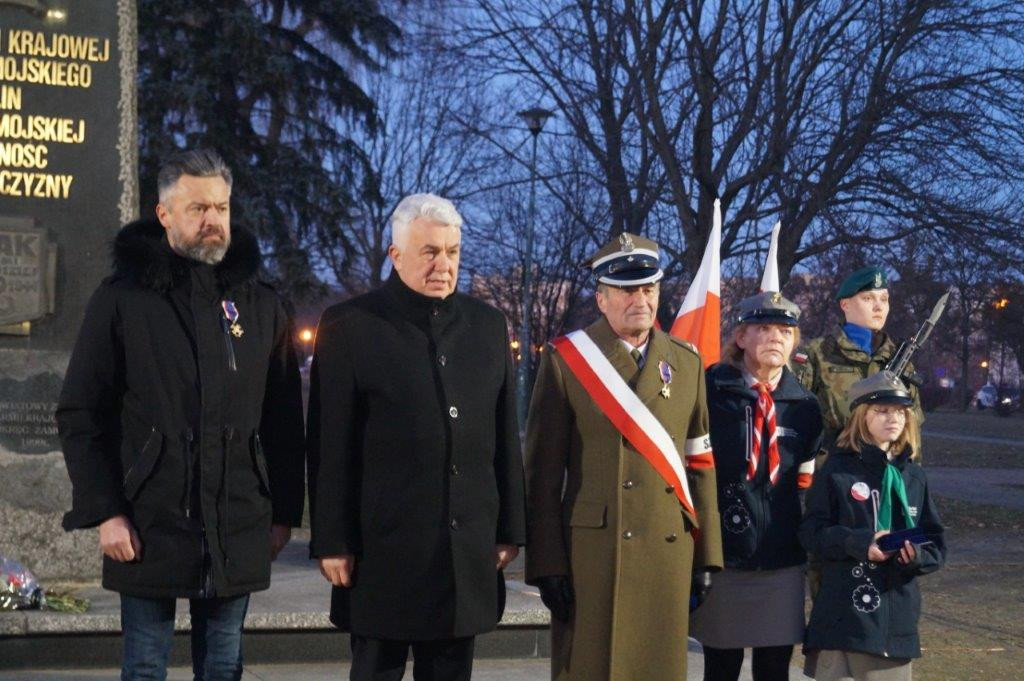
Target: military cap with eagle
[[627, 260], [768, 307]]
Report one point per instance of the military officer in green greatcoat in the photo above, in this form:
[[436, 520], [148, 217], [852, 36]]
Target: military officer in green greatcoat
[[831, 364], [621, 493]]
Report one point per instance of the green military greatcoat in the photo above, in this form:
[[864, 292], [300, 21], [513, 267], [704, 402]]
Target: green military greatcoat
[[600, 513], [833, 363]]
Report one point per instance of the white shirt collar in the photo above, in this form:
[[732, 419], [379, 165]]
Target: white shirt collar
[[642, 348], [752, 381]]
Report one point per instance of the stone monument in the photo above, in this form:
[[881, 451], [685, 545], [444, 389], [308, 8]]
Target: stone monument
[[68, 179]]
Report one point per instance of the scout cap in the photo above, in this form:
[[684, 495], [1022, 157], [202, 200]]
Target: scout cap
[[880, 388], [768, 307], [627, 260], [864, 279]]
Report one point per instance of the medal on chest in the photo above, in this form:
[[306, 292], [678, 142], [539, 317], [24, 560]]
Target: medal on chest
[[231, 314], [666, 378]]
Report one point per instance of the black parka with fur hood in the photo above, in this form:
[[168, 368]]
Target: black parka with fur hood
[[191, 429]]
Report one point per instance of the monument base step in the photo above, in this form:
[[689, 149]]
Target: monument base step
[[103, 650]]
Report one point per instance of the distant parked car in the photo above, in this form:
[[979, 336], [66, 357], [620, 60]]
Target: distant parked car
[[1007, 402], [986, 397]]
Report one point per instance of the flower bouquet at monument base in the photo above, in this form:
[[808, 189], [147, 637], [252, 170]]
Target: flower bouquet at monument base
[[20, 590]]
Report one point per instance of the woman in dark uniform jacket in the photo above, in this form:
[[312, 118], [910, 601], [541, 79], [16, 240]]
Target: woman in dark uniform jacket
[[764, 448], [864, 621]]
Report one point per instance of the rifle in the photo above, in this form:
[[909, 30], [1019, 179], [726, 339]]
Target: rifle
[[898, 364]]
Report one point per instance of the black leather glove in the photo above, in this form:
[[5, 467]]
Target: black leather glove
[[557, 594], [699, 588]]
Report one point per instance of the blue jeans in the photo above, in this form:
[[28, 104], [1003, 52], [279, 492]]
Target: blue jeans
[[148, 626]]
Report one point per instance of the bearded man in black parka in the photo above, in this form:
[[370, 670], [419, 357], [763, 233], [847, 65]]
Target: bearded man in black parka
[[181, 423], [415, 469]]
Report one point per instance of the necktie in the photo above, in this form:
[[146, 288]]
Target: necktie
[[637, 357], [764, 416]]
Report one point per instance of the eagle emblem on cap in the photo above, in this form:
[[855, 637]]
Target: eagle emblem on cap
[[626, 242], [776, 297], [878, 280]]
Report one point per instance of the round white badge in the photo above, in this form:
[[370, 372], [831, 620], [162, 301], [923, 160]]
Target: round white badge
[[860, 491]]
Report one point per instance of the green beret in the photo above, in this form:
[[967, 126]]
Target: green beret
[[864, 279]]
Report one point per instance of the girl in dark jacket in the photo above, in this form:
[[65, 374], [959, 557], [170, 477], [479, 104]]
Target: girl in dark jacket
[[864, 621], [765, 431]]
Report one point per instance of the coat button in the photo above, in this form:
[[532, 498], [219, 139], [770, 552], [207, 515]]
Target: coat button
[[453, 412], [454, 469], [627, 485], [670, 489], [454, 524], [627, 535], [442, 360], [435, 311], [670, 538]]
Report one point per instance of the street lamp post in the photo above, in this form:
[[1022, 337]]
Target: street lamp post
[[535, 119]]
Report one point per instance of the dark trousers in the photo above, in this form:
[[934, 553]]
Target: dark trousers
[[769, 663], [375, 659], [148, 626]]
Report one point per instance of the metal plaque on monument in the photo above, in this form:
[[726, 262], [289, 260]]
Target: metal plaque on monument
[[68, 179]]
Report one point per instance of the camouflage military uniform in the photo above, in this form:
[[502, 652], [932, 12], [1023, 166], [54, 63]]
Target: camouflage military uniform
[[828, 366]]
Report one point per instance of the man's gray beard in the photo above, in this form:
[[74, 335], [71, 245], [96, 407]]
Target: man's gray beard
[[211, 255]]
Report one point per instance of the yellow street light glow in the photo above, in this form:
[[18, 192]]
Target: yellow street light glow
[[514, 345], [984, 364], [306, 335]]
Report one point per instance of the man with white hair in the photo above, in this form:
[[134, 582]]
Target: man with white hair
[[415, 471]]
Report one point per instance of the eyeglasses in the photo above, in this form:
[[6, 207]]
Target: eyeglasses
[[898, 413]]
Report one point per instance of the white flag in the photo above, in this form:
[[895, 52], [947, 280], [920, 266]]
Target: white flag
[[770, 279]]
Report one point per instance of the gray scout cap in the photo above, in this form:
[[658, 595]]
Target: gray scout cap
[[880, 388], [768, 307]]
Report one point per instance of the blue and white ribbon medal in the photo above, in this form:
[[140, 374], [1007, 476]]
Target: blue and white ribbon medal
[[231, 314], [666, 377]]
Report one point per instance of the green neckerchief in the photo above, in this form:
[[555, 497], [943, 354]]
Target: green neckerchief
[[892, 481]]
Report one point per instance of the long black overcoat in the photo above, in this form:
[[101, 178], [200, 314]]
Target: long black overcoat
[[414, 463], [156, 423]]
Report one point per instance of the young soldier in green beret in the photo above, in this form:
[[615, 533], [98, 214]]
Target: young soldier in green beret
[[830, 365]]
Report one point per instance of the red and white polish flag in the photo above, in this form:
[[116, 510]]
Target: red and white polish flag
[[699, 320]]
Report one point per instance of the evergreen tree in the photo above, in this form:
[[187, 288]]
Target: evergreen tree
[[273, 86]]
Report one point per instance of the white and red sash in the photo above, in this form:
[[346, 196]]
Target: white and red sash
[[630, 416]]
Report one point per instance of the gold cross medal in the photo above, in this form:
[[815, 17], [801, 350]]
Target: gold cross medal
[[231, 315], [666, 377]]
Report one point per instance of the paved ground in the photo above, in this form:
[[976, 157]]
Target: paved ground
[[990, 486], [966, 437], [484, 670]]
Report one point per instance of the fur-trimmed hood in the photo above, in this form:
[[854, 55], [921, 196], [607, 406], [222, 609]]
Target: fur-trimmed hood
[[141, 253]]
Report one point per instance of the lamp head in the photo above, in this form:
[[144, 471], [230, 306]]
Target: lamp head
[[535, 118]]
